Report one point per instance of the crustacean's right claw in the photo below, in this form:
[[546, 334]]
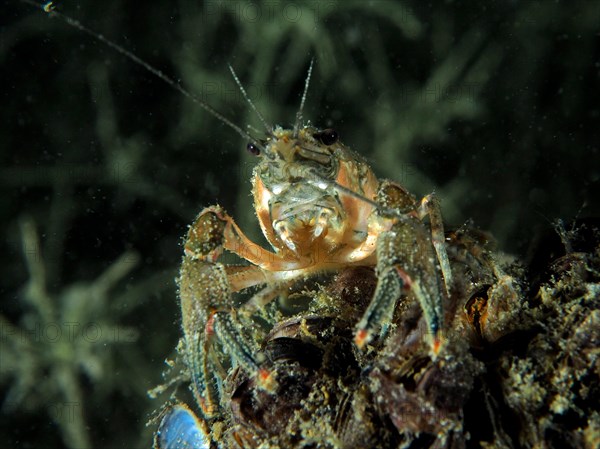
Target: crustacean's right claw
[[209, 325]]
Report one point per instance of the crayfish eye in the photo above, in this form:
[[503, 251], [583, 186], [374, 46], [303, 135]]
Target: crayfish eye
[[253, 149], [327, 136]]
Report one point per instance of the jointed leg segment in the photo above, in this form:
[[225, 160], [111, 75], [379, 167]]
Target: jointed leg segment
[[409, 258], [207, 306], [430, 206]]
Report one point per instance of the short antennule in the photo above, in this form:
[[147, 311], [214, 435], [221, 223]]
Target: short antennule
[[261, 117], [49, 8], [302, 101]]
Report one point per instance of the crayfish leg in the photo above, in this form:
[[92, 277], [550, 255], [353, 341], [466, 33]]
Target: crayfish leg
[[211, 330], [430, 206], [199, 283], [406, 261]]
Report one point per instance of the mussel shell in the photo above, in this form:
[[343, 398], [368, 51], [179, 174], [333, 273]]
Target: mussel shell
[[309, 355], [180, 429]]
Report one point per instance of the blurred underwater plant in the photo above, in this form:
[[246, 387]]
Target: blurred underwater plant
[[67, 339]]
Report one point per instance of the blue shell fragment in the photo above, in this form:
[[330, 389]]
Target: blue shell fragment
[[180, 429]]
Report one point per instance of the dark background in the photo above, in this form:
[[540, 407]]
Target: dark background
[[495, 106]]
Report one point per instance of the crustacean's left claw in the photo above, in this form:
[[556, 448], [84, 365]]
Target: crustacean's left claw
[[396, 280], [410, 258]]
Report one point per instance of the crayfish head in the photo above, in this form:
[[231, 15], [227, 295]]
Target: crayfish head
[[295, 198]]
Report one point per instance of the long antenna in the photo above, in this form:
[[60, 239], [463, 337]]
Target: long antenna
[[345, 190], [50, 9], [299, 113]]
